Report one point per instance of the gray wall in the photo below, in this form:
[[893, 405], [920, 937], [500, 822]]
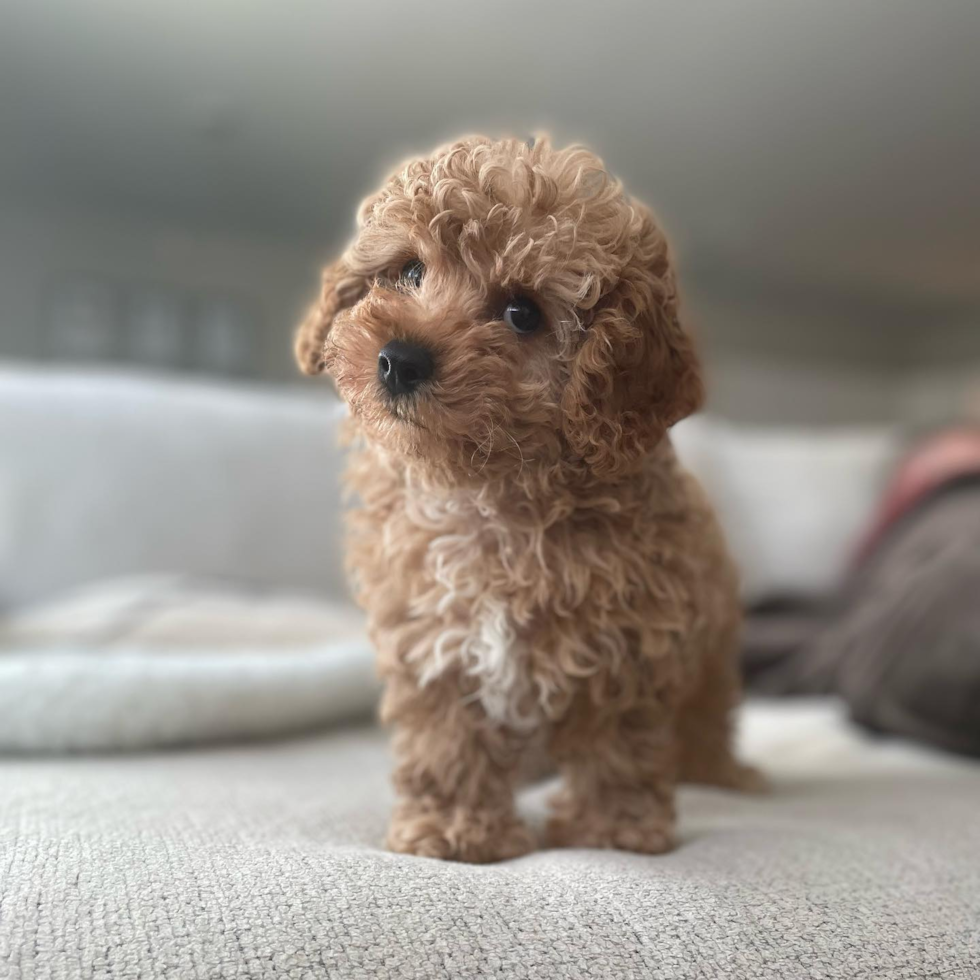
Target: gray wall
[[770, 357], [177, 168], [49, 251]]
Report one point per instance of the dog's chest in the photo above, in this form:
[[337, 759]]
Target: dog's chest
[[474, 587]]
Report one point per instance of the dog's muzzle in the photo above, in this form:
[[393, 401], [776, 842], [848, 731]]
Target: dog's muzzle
[[403, 366]]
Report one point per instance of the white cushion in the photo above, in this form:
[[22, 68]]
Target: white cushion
[[793, 501], [105, 475]]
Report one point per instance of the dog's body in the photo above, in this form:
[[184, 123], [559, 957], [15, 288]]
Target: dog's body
[[533, 560]]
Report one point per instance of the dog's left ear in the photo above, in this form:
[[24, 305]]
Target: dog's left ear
[[637, 371], [339, 289]]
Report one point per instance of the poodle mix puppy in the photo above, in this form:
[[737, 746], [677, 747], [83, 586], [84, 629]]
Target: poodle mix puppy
[[534, 562]]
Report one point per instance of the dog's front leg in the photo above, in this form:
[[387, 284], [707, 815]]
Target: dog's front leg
[[454, 774], [619, 780]]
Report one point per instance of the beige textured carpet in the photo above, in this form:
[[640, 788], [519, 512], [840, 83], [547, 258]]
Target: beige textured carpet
[[263, 861]]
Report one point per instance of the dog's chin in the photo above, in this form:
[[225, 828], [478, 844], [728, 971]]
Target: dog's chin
[[406, 414], [444, 445], [407, 431], [398, 426]]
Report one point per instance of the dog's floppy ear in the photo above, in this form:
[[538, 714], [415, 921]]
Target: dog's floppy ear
[[637, 372], [339, 290]]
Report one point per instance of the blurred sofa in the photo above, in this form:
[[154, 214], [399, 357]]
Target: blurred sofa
[[104, 475], [170, 552], [138, 512]]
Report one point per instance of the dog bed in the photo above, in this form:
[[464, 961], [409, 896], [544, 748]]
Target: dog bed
[[169, 660]]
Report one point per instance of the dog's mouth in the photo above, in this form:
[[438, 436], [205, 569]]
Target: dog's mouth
[[404, 411]]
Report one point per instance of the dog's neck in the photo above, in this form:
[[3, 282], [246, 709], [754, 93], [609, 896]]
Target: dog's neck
[[551, 496]]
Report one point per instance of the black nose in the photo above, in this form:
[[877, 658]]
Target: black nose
[[402, 366]]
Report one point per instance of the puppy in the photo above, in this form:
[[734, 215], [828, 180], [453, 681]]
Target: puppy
[[533, 560]]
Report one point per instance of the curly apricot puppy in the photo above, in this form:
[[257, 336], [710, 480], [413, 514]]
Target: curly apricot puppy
[[532, 558]]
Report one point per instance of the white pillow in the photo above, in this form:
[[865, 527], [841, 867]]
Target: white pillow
[[105, 475], [793, 501]]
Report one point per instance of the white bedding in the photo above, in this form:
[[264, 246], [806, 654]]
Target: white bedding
[[161, 661]]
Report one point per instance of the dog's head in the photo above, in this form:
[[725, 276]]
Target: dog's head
[[506, 311]]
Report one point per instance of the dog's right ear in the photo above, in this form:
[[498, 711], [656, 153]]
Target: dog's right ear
[[339, 290]]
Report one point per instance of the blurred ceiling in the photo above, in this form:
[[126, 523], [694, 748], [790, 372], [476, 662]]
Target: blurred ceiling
[[832, 142]]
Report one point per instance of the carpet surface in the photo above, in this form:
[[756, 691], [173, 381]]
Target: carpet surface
[[264, 861]]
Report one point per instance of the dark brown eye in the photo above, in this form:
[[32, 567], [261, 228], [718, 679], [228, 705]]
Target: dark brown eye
[[412, 272], [522, 316]]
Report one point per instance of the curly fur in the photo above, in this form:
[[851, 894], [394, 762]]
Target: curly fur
[[534, 561]]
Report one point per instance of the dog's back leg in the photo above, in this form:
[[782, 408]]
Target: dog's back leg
[[705, 725]]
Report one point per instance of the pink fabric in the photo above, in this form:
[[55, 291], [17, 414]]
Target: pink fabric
[[930, 465]]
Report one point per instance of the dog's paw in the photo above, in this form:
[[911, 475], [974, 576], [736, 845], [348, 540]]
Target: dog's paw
[[748, 779], [738, 777], [458, 834], [726, 773], [653, 835]]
